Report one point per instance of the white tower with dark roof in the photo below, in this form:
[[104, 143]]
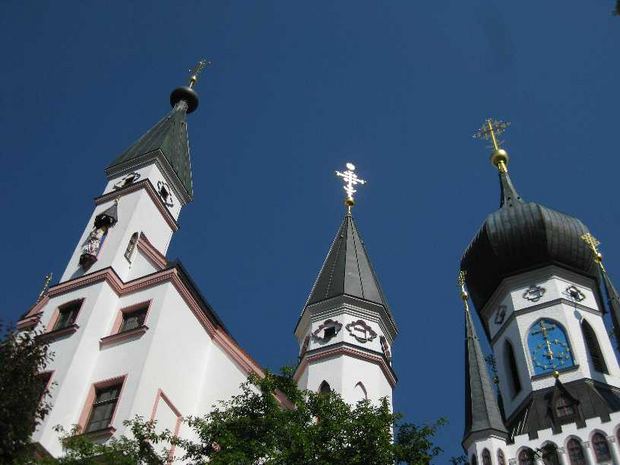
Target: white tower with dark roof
[[346, 329]]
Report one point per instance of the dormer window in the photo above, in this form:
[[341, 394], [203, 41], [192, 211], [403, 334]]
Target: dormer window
[[564, 407]]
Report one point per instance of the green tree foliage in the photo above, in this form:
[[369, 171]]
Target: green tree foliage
[[272, 422], [23, 402]]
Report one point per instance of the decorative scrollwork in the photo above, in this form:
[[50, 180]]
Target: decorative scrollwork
[[534, 293], [361, 331], [327, 330]]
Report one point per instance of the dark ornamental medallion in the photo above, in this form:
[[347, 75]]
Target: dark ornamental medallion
[[574, 294], [500, 315], [534, 293], [327, 330], [165, 193], [361, 331], [127, 180]]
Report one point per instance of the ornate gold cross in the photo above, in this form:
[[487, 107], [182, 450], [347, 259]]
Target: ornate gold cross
[[594, 243], [48, 278], [490, 130], [196, 71], [543, 329], [351, 179], [461, 283]]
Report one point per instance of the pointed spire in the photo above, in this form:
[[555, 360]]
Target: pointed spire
[[482, 412], [168, 136], [347, 269]]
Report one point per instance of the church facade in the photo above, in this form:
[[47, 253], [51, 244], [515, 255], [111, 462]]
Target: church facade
[[541, 291], [133, 335]]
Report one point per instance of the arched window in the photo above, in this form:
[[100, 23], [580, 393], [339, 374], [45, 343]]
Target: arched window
[[474, 460], [131, 246], [500, 457], [359, 393], [513, 371], [601, 448], [550, 454], [548, 346], [598, 361], [486, 457], [325, 388], [575, 452], [526, 457]]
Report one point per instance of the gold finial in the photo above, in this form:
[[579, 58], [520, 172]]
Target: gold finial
[[461, 283], [351, 179], [48, 278], [196, 71], [556, 374], [491, 130], [594, 243]]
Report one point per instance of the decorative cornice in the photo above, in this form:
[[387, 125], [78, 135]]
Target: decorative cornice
[[350, 350], [28, 322], [58, 333], [150, 190], [151, 252], [122, 336]]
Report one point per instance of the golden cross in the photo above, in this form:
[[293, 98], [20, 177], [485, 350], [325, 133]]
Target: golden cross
[[490, 130], [48, 278], [196, 71], [594, 243], [543, 329], [351, 179], [461, 283]]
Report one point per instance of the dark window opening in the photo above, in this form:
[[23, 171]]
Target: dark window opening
[[103, 408], [515, 383], [330, 332], [474, 460], [550, 455], [601, 448], [500, 458], [67, 315], [133, 319], [575, 453], [325, 388], [164, 193], [131, 246], [564, 407], [598, 361], [43, 379], [486, 457], [526, 457]]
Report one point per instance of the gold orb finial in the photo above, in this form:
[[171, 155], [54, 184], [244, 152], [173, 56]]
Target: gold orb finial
[[556, 374], [491, 130]]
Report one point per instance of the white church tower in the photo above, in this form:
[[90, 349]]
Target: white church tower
[[346, 329], [131, 332], [532, 275]]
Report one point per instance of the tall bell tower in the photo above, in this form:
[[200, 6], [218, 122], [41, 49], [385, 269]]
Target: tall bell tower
[[532, 275], [346, 329]]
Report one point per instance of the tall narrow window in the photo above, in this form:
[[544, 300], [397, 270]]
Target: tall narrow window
[[486, 457], [131, 246], [526, 457], [589, 336], [474, 460], [67, 314], [103, 408], [575, 452], [601, 448], [501, 460], [325, 388], [550, 455], [513, 371]]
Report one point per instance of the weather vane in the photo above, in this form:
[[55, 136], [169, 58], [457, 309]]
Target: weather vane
[[491, 130], [48, 278], [196, 71], [594, 243], [351, 179]]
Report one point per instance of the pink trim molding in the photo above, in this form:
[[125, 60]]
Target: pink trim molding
[[151, 252], [29, 322], [56, 313], [125, 335], [344, 350], [150, 190], [58, 333], [177, 427]]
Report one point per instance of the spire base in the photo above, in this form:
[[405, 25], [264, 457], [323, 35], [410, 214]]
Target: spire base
[[186, 94]]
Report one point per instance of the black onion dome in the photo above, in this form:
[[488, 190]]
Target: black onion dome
[[519, 237]]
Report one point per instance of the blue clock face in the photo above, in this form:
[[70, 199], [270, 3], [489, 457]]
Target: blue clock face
[[549, 347]]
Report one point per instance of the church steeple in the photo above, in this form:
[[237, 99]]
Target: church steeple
[[482, 412], [346, 329]]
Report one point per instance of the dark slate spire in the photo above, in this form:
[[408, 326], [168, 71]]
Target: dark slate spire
[[613, 299], [347, 270], [169, 136], [509, 194], [482, 413]]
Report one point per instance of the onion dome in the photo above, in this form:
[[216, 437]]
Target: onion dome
[[522, 236]]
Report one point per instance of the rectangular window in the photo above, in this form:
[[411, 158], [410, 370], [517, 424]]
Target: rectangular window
[[133, 319], [103, 408], [67, 315]]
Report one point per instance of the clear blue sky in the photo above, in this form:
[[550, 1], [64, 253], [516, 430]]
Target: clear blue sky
[[296, 90]]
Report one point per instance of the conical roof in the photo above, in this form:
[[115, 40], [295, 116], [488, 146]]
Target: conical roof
[[170, 136], [613, 300], [347, 270], [482, 412]]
